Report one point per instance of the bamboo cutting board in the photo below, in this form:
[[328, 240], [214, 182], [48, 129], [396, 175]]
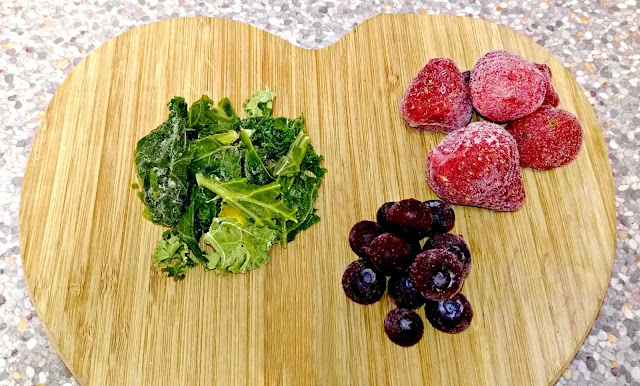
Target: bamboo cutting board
[[539, 274]]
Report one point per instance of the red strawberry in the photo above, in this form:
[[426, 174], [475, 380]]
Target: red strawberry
[[438, 98], [551, 98], [477, 166], [505, 86], [548, 138]]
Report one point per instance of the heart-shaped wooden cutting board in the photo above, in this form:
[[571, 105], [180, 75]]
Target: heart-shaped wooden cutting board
[[538, 279]]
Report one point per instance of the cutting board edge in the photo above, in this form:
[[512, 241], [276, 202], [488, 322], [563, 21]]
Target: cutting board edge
[[610, 201]]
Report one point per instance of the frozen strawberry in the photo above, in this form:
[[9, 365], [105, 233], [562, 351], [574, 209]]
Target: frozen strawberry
[[438, 98], [477, 166], [544, 69], [548, 138], [505, 86], [551, 98]]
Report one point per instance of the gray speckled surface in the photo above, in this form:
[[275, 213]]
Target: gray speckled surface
[[40, 42]]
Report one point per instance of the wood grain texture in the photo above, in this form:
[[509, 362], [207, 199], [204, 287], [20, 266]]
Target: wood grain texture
[[538, 279]]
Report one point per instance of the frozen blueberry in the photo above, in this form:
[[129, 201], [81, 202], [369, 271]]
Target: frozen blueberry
[[381, 216], [363, 282], [451, 316], [391, 253], [361, 236], [442, 215], [404, 327], [409, 218], [437, 274], [467, 76], [403, 294], [454, 244]]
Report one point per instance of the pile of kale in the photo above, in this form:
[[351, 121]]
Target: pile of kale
[[235, 186]]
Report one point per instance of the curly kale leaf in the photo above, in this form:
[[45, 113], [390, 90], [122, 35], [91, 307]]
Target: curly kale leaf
[[207, 207], [179, 249], [205, 120], [312, 162], [272, 137], [237, 248], [162, 161], [173, 255], [213, 155], [259, 203], [289, 164], [260, 104], [254, 169], [301, 193]]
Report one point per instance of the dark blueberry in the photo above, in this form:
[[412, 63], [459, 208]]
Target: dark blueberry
[[404, 327], [454, 244], [361, 236], [451, 316], [467, 76], [443, 216], [391, 253], [363, 282], [437, 274], [381, 216], [403, 293], [409, 218]]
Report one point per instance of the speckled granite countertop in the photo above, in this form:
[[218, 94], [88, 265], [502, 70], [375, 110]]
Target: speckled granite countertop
[[40, 42]]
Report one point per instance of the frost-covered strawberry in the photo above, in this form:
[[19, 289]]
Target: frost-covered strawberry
[[551, 98], [477, 166], [438, 98], [505, 86], [548, 138]]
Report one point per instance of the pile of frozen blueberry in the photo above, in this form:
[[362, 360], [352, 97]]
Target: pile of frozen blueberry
[[425, 264]]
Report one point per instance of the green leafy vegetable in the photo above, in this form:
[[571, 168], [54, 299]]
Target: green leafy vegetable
[[272, 137], [237, 248], [173, 256], [289, 165], [238, 185], [260, 104], [254, 169], [162, 160], [206, 121], [207, 207], [259, 203], [301, 193], [206, 150], [312, 162], [178, 250]]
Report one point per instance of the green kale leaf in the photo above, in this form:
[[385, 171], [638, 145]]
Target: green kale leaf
[[289, 164], [205, 149], [179, 249], [300, 192], [259, 203], [237, 248], [206, 121], [162, 161], [254, 169], [223, 162], [272, 137], [207, 207], [173, 255], [260, 104], [312, 162]]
